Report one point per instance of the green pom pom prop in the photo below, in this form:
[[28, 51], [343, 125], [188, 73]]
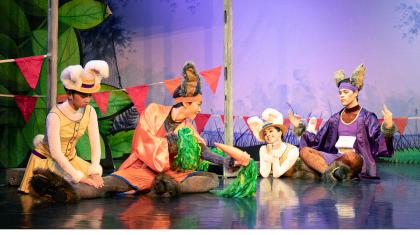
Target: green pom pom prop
[[189, 152], [244, 185]]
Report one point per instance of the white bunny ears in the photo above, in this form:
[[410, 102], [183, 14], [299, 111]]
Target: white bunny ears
[[272, 117], [85, 80]]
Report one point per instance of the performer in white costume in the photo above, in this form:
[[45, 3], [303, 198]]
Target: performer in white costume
[[276, 156]]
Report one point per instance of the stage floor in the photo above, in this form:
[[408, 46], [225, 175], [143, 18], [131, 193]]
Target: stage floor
[[392, 202]]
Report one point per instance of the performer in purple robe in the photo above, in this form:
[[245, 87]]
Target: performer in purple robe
[[349, 142]]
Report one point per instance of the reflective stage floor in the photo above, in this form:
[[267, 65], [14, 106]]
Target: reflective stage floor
[[392, 202]]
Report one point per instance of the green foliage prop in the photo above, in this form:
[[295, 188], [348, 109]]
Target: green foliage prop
[[189, 152], [245, 183]]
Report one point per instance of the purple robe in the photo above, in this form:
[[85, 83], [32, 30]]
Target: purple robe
[[370, 141]]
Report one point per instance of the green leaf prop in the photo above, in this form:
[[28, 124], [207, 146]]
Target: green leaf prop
[[83, 14], [13, 21], [83, 147], [8, 48], [68, 53], [120, 143], [34, 7], [245, 183], [189, 152], [12, 145]]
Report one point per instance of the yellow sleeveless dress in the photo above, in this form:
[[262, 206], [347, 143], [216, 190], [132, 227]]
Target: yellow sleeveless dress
[[70, 132]]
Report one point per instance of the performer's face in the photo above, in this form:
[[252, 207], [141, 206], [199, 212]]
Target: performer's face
[[271, 135], [80, 100], [348, 97], [192, 109]]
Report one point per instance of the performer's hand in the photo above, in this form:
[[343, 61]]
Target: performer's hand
[[232, 164], [387, 117], [98, 180], [89, 181], [294, 119]]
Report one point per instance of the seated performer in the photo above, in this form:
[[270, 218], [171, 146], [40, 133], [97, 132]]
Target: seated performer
[[154, 148], [65, 124], [348, 143], [276, 156]]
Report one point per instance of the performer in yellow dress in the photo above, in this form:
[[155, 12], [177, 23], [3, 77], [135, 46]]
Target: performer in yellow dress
[[65, 124]]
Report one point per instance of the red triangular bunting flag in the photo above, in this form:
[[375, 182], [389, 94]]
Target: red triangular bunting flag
[[246, 121], [286, 123], [223, 118], [138, 95], [212, 77], [26, 105], [318, 123], [201, 121], [30, 68], [101, 98], [401, 123], [172, 84], [381, 120]]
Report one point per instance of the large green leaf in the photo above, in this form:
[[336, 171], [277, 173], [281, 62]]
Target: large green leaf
[[83, 147], [12, 145], [118, 100], [68, 53], [34, 7], [40, 42], [8, 48], [120, 143], [13, 20], [83, 14]]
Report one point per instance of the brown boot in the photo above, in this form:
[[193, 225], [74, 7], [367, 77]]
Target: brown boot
[[45, 183], [166, 186], [303, 171], [337, 171], [200, 182]]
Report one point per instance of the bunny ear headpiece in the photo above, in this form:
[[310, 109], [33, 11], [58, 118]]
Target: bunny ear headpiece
[[272, 117], [85, 80], [255, 124], [355, 82]]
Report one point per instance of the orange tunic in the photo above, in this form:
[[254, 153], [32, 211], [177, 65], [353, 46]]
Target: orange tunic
[[149, 151]]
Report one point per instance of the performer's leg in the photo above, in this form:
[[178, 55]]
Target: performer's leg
[[48, 184], [313, 159], [112, 184], [354, 161], [165, 185], [302, 171], [200, 183]]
